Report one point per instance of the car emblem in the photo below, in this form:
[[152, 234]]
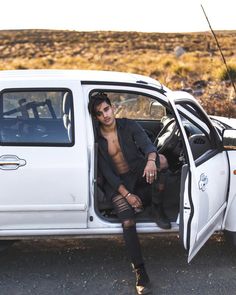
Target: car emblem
[[203, 182]]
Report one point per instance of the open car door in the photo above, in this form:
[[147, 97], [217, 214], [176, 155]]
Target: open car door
[[205, 177]]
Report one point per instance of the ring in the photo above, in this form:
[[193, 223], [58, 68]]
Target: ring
[[151, 174]]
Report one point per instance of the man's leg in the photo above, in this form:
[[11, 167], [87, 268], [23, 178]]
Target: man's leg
[[126, 215], [158, 188]]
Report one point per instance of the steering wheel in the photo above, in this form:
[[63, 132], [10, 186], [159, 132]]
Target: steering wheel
[[168, 137]]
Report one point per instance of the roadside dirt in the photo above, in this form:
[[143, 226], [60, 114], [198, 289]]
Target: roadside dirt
[[100, 266]]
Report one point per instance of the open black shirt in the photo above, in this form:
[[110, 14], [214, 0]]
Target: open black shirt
[[135, 146]]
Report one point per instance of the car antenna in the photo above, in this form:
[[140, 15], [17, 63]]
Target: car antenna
[[218, 45]]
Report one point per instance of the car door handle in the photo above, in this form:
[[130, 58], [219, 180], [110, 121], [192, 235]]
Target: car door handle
[[11, 162]]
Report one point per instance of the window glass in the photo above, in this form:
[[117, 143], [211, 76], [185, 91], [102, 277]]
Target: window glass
[[192, 113], [136, 106], [197, 130], [36, 117]]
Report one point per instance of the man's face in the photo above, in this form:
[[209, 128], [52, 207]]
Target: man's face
[[105, 114]]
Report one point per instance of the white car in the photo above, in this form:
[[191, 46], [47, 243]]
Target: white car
[[227, 122], [48, 157]]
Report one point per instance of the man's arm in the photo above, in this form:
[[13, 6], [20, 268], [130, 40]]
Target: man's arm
[[131, 198], [150, 170], [149, 150], [159, 163], [141, 139]]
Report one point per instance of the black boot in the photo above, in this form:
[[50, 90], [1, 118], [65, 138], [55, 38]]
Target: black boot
[[143, 285], [160, 217]]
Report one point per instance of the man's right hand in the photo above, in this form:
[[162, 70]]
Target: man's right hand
[[134, 201]]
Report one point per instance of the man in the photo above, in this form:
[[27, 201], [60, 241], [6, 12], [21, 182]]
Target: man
[[128, 160]]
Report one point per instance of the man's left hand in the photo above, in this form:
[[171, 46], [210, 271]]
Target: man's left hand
[[150, 171]]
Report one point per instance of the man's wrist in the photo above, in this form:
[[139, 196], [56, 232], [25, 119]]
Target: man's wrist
[[156, 159], [127, 195], [152, 156]]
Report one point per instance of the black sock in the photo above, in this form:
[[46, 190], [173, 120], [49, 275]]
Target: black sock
[[133, 245]]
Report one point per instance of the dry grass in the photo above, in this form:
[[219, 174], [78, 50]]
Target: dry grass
[[150, 54]]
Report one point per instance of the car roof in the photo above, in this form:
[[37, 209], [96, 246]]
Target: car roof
[[82, 75], [90, 76]]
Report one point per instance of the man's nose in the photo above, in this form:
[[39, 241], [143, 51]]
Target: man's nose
[[105, 115]]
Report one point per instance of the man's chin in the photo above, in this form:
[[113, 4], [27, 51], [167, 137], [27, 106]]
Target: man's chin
[[108, 123]]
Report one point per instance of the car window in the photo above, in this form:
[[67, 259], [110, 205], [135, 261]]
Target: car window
[[136, 106], [198, 130], [40, 117]]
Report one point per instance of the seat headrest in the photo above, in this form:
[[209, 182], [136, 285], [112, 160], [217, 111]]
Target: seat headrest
[[66, 103]]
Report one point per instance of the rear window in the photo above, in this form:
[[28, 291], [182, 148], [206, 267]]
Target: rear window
[[36, 117]]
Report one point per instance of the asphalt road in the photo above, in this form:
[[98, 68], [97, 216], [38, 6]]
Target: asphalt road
[[100, 266]]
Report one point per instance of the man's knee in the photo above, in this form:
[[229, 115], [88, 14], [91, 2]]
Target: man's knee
[[163, 162], [120, 204]]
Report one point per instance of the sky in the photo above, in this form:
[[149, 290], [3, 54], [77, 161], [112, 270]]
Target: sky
[[119, 15]]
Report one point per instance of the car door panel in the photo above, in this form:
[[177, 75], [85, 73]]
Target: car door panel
[[50, 189], [208, 194], [230, 216], [45, 191], [204, 191]]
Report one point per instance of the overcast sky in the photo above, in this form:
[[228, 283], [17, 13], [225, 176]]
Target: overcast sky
[[119, 15]]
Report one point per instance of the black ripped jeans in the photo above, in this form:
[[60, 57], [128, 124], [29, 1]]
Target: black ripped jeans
[[136, 184]]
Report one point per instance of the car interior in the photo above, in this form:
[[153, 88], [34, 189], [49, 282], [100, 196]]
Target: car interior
[[160, 125]]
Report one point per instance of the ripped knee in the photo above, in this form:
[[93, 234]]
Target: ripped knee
[[163, 162], [120, 203], [128, 223]]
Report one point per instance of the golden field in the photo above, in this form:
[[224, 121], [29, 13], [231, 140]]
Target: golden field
[[199, 69]]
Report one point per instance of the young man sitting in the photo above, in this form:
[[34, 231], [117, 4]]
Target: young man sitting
[[126, 159]]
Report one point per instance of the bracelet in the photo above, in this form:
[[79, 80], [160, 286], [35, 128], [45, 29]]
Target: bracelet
[[127, 195]]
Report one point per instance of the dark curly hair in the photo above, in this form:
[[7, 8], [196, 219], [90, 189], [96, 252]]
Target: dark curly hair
[[96, 100]]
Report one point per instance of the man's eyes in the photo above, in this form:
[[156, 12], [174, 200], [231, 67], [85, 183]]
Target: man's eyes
[[105, 110]]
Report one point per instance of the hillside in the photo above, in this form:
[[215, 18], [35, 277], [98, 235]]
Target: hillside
[[199, 69]]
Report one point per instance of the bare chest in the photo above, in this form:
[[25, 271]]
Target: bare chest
[[113, 144], [115, 152]]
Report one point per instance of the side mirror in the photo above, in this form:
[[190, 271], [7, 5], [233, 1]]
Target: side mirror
[[229, 139]]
